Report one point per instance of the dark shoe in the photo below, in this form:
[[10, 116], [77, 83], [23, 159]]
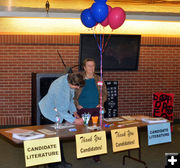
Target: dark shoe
[[54, 165], [60, 165], [97, 159], [66, 165]]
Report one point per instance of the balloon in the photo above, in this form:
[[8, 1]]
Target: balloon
[[99, 11], [87, 18], [106, 21], [116, 17], [101, 1]]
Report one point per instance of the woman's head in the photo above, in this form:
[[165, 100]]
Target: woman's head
[[75, 80], [89, 65]]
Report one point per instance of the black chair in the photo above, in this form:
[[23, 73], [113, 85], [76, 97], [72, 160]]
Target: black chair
[[40, 86]]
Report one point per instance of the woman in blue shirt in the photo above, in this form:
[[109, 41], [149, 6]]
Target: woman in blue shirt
[[60, 96]]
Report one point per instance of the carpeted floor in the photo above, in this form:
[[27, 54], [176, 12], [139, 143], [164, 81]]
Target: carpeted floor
[[154, 156]]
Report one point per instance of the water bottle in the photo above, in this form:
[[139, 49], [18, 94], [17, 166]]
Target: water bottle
[[88, 116], [102, 112], [57, 119]]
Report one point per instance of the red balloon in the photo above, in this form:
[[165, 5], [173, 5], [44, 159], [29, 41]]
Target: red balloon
[[116, 17], [106, 22]]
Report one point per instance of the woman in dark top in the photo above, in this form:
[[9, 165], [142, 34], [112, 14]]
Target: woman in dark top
[[87, 99]]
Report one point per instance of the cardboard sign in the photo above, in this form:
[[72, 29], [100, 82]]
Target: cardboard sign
[[124, 139], [91, 144], [42, 151], [163, 105], [159, 133]]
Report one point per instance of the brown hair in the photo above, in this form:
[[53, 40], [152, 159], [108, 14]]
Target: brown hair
[[76, 79], [86, 60]]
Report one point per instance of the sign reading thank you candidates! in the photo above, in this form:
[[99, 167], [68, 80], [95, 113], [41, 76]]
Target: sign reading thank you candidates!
[[90, 144], [124, 139]]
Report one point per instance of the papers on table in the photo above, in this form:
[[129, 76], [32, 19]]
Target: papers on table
[[64, 125], [94, 127], [27, 135], [114, 119], [125, 123], [47, 131], [129, 118], [17, 130], [154, 120]]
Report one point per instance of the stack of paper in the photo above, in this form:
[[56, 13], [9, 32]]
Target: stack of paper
[[154, 120], [47, 131], [27, 135], [129, 118], [114, 119]]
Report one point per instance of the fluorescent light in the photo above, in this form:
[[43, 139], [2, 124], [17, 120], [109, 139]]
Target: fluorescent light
[[74, 26]]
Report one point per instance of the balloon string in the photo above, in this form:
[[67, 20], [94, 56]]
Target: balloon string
[[106, 43], [97, 42], [94, 30], [103, 42], [100, 49], [101, 81]]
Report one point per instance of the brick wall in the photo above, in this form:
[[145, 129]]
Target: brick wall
[[20, 55]]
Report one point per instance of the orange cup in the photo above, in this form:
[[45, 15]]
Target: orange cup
[[94, 120]]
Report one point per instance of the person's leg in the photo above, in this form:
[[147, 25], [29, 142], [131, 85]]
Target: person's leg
[[96, 158], [93, 112], [62, 153], [63, 162]]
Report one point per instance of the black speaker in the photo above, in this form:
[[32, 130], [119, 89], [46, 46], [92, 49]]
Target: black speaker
[[111, 105], [40, 86]]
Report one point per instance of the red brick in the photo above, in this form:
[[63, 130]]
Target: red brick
[[159, 70]]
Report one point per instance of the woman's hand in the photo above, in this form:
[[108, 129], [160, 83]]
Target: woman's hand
[[76, 115], [98, 106], [78, 121], [79, 107]]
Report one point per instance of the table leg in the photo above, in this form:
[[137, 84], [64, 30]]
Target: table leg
[[133, 158]]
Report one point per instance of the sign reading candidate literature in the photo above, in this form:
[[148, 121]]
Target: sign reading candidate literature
[[159, 133], [91, 144], [124, 139], [42, 151]]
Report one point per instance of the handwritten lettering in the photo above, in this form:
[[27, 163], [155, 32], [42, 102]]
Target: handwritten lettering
[[118, 134], [84, 139], [129, 133], [124, 143], [97, 138], [163, 105], [90, 149]]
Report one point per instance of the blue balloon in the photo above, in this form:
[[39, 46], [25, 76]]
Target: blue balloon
[[87, 19], [99, 11], [101, 1]]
